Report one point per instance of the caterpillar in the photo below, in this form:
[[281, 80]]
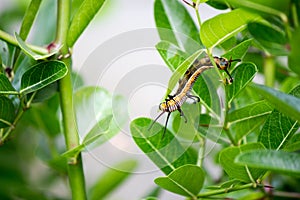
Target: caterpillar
[[174, 102]]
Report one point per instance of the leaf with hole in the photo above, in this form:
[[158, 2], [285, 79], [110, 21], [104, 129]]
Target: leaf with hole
[[41, 75], [242, 173], [164, 151], [277, 161], [186, 180], [221, 27]]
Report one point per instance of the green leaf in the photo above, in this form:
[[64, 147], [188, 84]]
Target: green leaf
[[206, 89], [29, 17], [84, 15], [111, 179], [171, 54], [279, 128], [95, 133], [5, 86], [263, 32], [221, 27], [266, 6], [98, 130], [271, 40], [245, 120], [179, 72], [243, 75], [94, 104], [27, 50], [41, 75], [165, 151], [294, 143], [293, 59], [186, 180], [236, 171], [7, 114], [285, 103], [239, 51], [277, 161], [175, 25]]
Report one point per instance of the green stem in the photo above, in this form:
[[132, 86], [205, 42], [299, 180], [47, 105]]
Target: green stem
[[12, 40], [269, 71], [295, 16], [226, 190], [75, 168]]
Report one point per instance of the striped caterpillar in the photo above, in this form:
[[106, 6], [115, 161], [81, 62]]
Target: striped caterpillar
[[174, 102]]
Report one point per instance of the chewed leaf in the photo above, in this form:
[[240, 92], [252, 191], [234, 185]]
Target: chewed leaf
[[216, 30], [41, 75]]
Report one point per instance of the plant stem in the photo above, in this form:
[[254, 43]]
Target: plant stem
[[226, 190], [11, 40], [269, 71], [75, 169]]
